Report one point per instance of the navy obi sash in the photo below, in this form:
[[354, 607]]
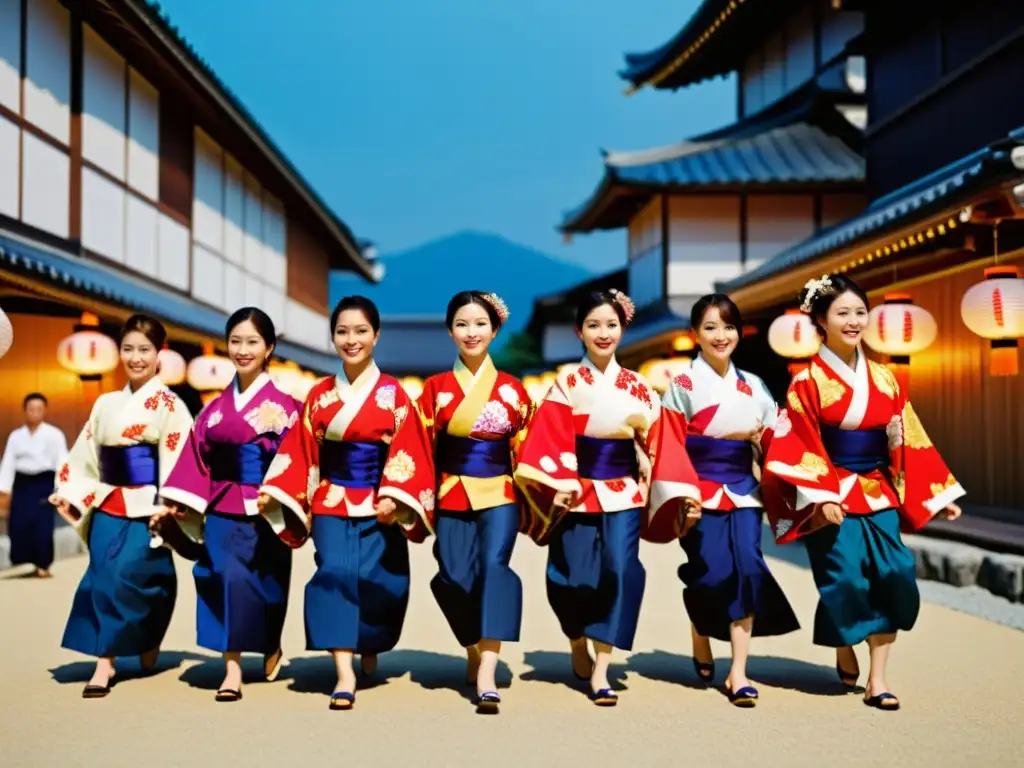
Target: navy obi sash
[[351, 464], [728, 462], [600, 458], [129, 465], [245, 464], [856, 450], [473, 458]]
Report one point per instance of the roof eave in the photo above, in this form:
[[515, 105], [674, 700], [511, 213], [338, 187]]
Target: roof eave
[[149, 16]]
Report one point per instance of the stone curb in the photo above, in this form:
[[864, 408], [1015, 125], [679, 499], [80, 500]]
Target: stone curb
[[66, 543], [963, 565]]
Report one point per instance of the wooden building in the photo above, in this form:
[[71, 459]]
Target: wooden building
[[721, 204], [131, 179], [944, 145]]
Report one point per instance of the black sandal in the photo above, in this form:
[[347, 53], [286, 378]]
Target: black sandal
[[226, 695], [96, 691], [884, 701], [706, 672]]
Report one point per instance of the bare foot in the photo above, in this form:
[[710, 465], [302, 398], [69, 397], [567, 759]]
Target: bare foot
[[736, 681], [346, 681], [103, 673], [472, 664], [368, 663], [876, 687], [847, 665], [43, 573], [149, 658], [582, 662], [272, 665], [232, 679]]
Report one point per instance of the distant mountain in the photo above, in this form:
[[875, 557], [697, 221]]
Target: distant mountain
[[421, 280]]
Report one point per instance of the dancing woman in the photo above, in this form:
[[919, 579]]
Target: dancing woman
[[350, 438], [723, 419], [242, 569], [849, 466], [477, 416], [585, 468], [108, 490]]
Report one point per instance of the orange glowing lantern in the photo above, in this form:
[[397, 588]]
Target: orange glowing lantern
[[172, 367], [6, 333], [899, 328], [210, 372], [88, 352], [794, 336], [994, 310], [659, 372]]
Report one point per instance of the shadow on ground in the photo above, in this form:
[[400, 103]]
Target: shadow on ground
[[127, 668], [428, 669], [773, 671], [556, 667]]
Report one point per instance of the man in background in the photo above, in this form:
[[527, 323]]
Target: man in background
[[28, 470]]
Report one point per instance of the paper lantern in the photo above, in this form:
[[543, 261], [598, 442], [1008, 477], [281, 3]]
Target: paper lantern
[[413, 386], [994, 309], [899, 328], [794, 336], [88, 352], [660, 371], [6, 333], [172, 367], [285, 375], [210, 372], [683, 343], [302, 385]]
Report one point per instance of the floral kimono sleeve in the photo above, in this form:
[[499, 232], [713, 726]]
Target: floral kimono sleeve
[[79, 477], [408, 477], [798, 473], [529, 522], [923, 481], [189, 484], [546, 461], [291, 480], [673, 478]]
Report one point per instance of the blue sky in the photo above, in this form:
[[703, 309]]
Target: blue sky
[[416, 119]]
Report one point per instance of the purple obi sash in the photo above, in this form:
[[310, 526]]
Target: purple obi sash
[[856, 450], [470, 457], [245, 464], [352, 465], [129, 465], [601, 458], [727, 462]]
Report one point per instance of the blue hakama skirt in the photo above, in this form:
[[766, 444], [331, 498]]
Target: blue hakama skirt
[[242, 582], [477, 590], [30, 525], [727, 578], [866, 579], [124, 602], [595, 581], [358, 596]]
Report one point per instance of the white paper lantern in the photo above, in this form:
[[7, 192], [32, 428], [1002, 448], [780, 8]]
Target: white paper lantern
[[900, 328], [88, 352], [172, 367], [6, 333], [793, 335], [994, 309], [659, 372], [302, 384], [413, 386], [285, 375], [210, 372]]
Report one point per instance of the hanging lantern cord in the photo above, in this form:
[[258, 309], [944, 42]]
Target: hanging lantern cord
[[995, 240]]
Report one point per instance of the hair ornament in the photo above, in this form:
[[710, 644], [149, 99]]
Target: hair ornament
[[498, 305], [628, 307], [812, 289]]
